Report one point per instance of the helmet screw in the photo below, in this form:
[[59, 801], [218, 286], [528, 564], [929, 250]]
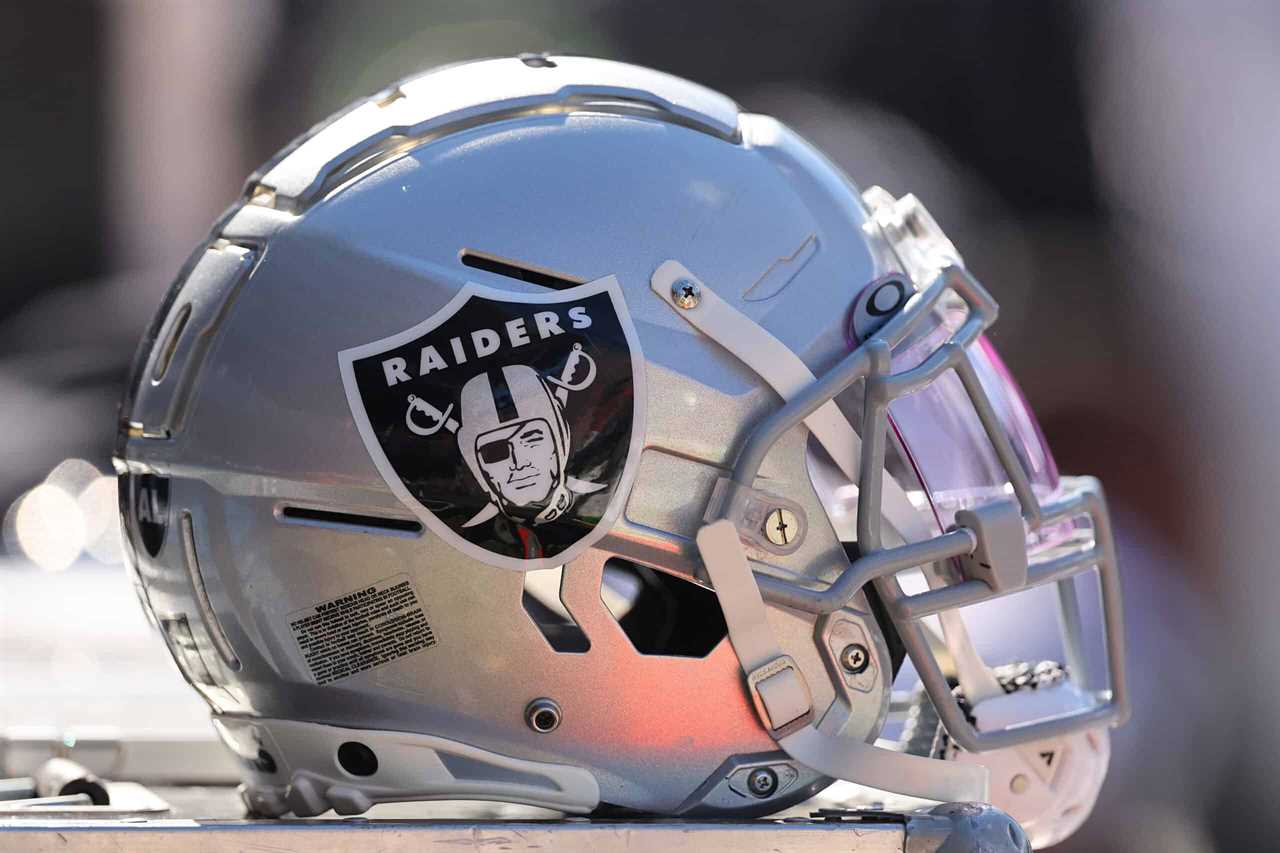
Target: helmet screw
[[781, 527], [762, 782], [542, 715], [855, 659], [686, 293]]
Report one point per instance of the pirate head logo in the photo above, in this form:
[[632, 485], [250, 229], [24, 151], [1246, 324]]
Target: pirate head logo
[[509, 423], [515, 438]]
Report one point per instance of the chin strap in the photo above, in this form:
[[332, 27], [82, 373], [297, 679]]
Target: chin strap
[[782, 697], [786, 374]]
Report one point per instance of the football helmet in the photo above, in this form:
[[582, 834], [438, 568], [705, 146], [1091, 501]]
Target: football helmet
[[549, 430]]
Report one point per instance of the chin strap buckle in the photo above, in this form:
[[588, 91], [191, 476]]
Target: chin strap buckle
[[781, 696]]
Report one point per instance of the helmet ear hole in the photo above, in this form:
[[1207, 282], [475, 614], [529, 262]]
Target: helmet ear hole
[[357, 759], [662, 614]]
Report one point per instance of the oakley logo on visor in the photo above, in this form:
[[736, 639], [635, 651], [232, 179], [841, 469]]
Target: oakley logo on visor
[[877, 303]]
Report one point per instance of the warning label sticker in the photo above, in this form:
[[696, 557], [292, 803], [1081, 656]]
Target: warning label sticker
[[361, 630]]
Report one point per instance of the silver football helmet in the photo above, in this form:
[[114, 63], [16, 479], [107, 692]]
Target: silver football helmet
[[548, 430]]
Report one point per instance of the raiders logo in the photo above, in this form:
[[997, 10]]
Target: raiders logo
[[510, 423]]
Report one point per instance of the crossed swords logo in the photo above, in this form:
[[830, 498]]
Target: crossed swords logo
[[438, 420]]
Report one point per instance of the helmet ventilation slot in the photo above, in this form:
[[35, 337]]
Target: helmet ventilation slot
[[542, 602], [207, 614], [170, 343], [519, 271], [662, 614], [349, 521]]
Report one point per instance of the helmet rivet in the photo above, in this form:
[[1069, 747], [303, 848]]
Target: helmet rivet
[[855, 659], [762, 782], [542, 715], [686, 293], [536, 60], [1019, 784], [781, 526]]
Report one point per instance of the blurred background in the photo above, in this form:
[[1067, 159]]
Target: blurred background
[[1109, 171]]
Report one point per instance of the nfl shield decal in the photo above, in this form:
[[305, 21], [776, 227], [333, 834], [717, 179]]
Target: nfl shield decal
[[510, 423]]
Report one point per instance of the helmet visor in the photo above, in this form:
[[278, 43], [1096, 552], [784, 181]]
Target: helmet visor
[[940, 431]]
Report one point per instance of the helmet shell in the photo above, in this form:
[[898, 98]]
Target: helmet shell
[[361, 229]]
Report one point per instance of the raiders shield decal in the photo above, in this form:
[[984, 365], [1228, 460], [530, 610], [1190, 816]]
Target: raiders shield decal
[[510, 423]]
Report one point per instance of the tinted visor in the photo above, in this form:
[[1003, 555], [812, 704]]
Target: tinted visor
[[942, 435]]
